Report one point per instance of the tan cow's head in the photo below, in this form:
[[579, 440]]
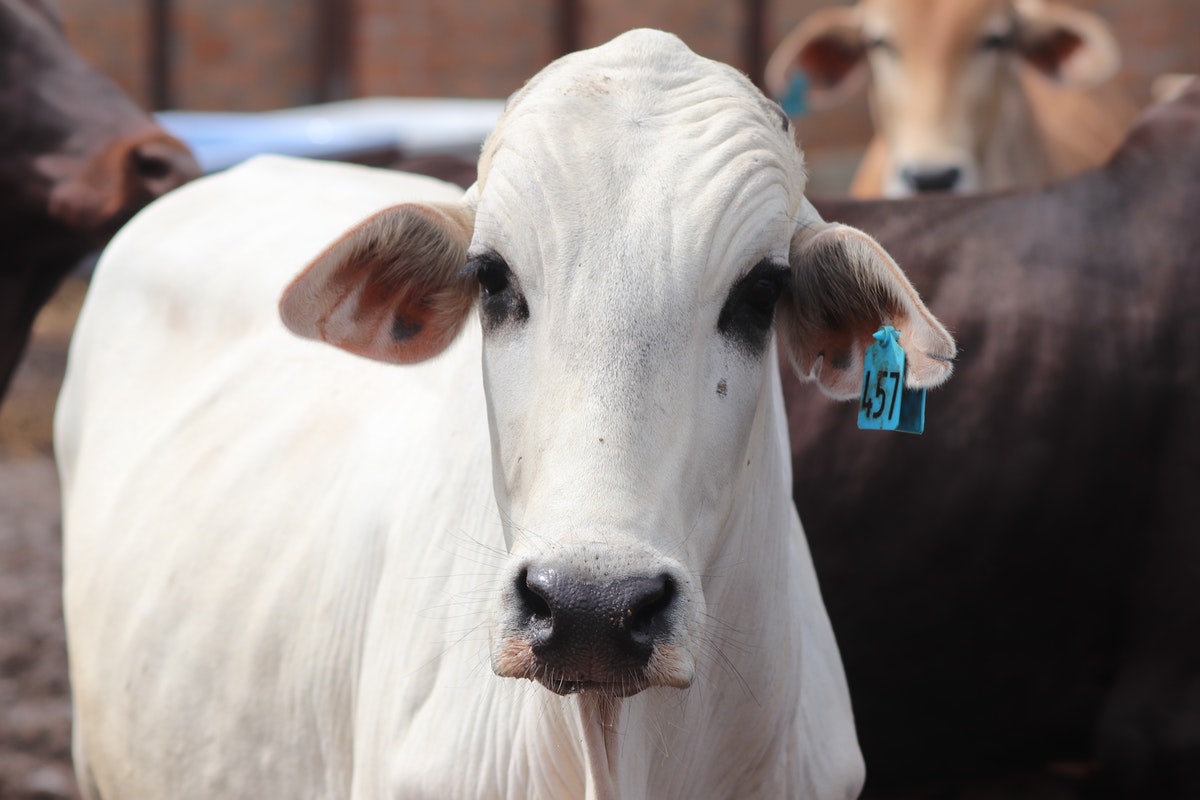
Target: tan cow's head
[[945, 78]]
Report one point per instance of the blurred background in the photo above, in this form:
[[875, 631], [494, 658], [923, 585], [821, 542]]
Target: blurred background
[[257, 55]]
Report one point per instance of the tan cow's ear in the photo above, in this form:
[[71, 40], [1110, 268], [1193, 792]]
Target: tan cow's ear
[[1068, 45], [845, 286], [392, 288], [828, 47]]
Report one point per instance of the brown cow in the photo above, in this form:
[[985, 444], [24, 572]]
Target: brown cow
[[77, 159], [967, 95], [1021, 584]]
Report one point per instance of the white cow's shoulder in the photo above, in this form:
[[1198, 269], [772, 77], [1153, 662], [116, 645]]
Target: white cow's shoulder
[[188, 291]]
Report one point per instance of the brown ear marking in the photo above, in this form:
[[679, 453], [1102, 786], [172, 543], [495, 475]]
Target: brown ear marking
[[405, 328]]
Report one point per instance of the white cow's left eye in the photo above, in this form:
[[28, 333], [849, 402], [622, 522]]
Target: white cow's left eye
[[749, 310]]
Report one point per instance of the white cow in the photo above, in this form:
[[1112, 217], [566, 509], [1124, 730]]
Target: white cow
[[577, 572]]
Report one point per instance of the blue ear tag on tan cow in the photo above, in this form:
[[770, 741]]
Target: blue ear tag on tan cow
[[795, 98], [886, 404]]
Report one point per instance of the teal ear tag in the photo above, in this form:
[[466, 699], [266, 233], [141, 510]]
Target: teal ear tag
[[795, 97], [886, 404]]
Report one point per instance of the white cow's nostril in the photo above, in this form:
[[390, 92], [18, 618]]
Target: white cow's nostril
[[531, 594]]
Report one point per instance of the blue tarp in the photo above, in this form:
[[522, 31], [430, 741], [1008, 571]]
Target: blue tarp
[[412, 126]]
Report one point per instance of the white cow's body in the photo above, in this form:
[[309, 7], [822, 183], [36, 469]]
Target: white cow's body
[[286, 571]]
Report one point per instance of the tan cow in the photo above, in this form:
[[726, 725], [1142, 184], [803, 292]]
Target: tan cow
[[966, 95]]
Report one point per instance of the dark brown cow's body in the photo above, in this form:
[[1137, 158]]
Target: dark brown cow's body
[[1022, 583], [77, 159]]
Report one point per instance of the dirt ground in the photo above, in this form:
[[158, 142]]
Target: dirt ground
[[35, 713]]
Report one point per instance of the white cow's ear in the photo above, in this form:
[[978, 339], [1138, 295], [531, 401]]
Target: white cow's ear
[[392, 288], [828, 47], [845, 286], [1068, 45]]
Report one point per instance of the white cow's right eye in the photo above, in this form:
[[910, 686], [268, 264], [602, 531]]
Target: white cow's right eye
[[492, 274], [500, 298]]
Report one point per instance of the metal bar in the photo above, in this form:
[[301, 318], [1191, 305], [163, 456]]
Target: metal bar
[[753, 52], [568, 21], [158, 55], [335, 30]]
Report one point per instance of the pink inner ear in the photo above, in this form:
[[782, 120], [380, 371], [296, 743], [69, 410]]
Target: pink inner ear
[[827, 47], [834, 356], [827, 60], [391, 289], [1051, 52], [845, 288]]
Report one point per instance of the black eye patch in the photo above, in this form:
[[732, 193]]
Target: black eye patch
[[500, 299], [749, 310]]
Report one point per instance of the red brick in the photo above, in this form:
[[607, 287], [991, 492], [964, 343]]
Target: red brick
[[258, 54]]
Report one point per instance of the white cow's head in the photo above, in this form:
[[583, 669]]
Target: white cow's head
[[943, 76], [637, 237]]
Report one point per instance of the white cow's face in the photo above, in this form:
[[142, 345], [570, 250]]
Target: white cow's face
[[637, 238], [627, 340]]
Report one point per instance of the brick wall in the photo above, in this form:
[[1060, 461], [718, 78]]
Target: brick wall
[[111, 34], [455, 48], [488, 48], [232, 54], [260, 54], [227, 54], [712, 29]]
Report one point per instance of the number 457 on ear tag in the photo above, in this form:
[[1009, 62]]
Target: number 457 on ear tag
[[885, 403]]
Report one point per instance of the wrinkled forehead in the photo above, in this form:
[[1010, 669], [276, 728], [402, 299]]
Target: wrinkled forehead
[[641, 117], [939, 25]]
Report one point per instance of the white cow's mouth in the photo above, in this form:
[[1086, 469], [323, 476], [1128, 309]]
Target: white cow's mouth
[[609, 689], [669, 665]]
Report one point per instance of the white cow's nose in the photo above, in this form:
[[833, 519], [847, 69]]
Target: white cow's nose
[[589, 632]]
